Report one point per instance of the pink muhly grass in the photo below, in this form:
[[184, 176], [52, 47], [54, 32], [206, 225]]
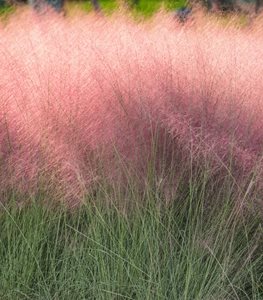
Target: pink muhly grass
[[77, 94]]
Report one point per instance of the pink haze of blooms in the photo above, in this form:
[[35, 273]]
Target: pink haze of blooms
[[77, 93]]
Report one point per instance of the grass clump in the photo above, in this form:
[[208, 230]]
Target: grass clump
[[131, 159], [156, 249]]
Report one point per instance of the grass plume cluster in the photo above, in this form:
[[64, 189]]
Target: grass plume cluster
[[81, 96], [157, 129]]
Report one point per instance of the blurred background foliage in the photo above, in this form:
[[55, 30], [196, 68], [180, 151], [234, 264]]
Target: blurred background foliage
[[145, 8]]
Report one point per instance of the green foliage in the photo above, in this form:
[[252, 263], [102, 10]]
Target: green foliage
[[150, 7], [5, 10], [147, 7], [181, 248], [175, 4], [108, 5]]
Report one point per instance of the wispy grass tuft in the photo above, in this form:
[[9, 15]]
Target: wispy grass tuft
[[80, 94], [156, 129]]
